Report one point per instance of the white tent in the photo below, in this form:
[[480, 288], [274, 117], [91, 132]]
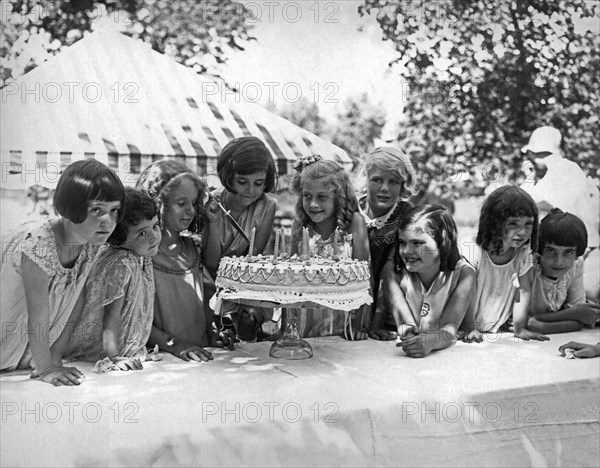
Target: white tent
[[113, 98]]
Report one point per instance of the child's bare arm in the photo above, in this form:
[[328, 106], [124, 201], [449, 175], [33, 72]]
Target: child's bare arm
[[111, 327], [38, 310], [521, 308], [457, 306], [264, 232], [562, 326], [211, 238], [360, 239], [395, 300], [587, 313]]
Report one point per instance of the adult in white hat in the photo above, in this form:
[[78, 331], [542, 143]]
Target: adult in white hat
[[555, 182]]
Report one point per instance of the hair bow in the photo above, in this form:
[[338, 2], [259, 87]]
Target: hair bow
[[304, 161]]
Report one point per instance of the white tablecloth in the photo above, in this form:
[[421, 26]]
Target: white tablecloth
[[498, 403]]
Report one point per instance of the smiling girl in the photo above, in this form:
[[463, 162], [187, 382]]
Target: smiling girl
[[433, 283], [45, 266], [507, 233], [326, 202], [119, 293]]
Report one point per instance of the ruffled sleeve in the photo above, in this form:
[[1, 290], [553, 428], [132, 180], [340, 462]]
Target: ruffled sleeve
[[39, 245], [111, 276]]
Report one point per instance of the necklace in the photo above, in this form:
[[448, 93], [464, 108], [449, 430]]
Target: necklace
[[178, 271]]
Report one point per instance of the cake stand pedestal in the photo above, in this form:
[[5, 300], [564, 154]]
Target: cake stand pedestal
[[290, 345]]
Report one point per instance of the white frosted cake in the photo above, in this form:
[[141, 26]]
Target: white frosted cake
[[341, 282]]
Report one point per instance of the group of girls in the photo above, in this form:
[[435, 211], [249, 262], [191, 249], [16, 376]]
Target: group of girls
[[122, 269]]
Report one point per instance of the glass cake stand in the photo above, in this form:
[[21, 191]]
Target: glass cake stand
[[290, 345]]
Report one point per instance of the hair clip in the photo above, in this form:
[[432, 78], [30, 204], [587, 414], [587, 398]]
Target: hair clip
[[304, 161]]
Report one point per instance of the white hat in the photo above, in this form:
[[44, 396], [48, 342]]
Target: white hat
[[543, 139]]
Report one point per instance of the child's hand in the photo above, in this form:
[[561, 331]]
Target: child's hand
[[474, 336], [212, 210], [587, 313], [224, 339], [125, 363], [582, 350], [59, 375], [382, 335], [407, 330], [527, 335], [414, 345], [193, 353]]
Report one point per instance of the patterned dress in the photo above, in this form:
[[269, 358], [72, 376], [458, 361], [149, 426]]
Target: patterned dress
[[36, 241], [119, 273]]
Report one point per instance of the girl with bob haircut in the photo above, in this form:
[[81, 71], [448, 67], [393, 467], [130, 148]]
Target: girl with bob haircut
[[119, 293], [46, 264], [247, 172], [508, 231], [433, 283], [558, 302], [390, 182], [326, 204]]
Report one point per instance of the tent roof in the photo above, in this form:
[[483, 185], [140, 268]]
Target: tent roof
[[113, 98]]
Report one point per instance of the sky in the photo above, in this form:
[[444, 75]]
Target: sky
[[316, 50]]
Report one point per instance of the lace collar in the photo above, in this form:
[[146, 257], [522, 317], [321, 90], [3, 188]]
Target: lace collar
[[379, 222]]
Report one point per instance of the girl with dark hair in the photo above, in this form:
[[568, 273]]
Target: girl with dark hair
[[247, 172], [508, 232], [45, 266], [433, 284], [558, 303], [119, 293]]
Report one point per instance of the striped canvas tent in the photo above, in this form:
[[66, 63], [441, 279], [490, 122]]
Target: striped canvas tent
[[113, 98]]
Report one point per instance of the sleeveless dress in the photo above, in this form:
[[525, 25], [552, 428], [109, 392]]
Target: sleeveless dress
[[427, 306], [37, 242], [118, 273]]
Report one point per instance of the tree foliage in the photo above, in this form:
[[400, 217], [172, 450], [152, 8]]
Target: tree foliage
[[357, 125], [483, 74], [198, 34]]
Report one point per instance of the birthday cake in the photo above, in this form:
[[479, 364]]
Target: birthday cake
[[334, 282]]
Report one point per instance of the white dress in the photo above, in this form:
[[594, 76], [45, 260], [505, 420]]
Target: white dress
[[496, 288]]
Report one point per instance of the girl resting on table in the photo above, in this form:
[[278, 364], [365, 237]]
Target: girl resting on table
[[390, 180], [183, 324], [508, 230], [44, 268], [433, 283], [119, 293], [247, 171], [327, 202], [558, 302]]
